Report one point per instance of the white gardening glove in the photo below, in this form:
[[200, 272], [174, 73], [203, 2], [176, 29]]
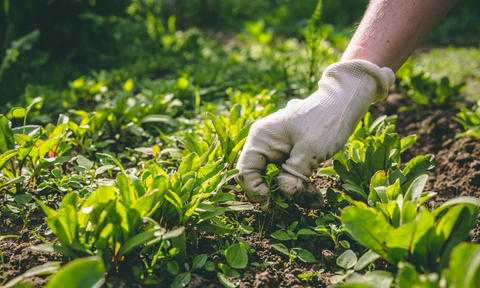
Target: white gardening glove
[[307, 132]]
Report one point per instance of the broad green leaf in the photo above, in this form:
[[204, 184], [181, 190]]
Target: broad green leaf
[[409, 213], [222, 197], [47, 268], [381, 157], [407, 142], [172, 267], [345, 175], [378, 179], [212, 228], [6, 135], [368, 165], [418, 165], [465, 265], [327, 171], [347, 260], [55, 248], [181, 280], [377, 279], [162, 119], [457, 200], [22, 199], [113, 159], [235, 151], [407, 276], [362, 195], [199, 261], [236, 256], [18, 112], [306, 256], [406, 236], [366, 259], [84, 162], [453, 228], [186, 164], [221, 131], [281, 235], [48, 146], [88, 272], [69, 199], [224, 279], [415, 190], [368, 229], [281, 248], [127, 190], [356, 170], [305, 231], [140, 239], [6, 157]]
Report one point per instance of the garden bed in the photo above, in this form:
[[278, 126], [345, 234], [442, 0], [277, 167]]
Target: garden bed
[[457, 173]]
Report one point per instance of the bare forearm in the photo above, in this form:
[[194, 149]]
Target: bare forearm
[[392, 29]]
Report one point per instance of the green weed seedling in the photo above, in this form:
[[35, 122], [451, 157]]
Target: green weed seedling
[[307, 276], [470, 121], [350, 263], [237, 258], [329, 227], [434, 94], [263, 265], [184, 278], [347, 261], [288, 233], [296, 252]]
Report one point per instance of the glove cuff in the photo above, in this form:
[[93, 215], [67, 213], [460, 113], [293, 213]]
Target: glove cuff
[[380, 78]]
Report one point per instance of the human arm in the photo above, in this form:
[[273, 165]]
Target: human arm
[[307, 132], [390, 31]]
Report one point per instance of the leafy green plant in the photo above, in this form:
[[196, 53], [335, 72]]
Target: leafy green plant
[[307, 276], [184, 278], [432, 94], [296, 252], [32, 154], [288, 233], [470, 121], [329, 227], [263, 265], [347, 261], [422, 238], [462, 271], [379, 165]]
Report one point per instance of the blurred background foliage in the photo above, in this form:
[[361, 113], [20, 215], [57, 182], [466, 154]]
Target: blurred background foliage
[[152, 39]]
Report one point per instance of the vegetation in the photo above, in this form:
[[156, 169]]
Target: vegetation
[[127, 140]]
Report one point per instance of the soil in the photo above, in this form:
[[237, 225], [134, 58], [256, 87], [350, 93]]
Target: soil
[[457, 173]]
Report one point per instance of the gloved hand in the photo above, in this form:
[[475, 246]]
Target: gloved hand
[[307, 132]]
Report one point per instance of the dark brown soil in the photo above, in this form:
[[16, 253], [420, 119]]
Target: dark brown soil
[[457, 173]]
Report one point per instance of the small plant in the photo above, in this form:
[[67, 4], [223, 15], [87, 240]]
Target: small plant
[[288, 233], [307, 276], [433, 94], [347, 261], [329, 227], [184, 278], [470, 121], [263, 265], [296, 252]]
